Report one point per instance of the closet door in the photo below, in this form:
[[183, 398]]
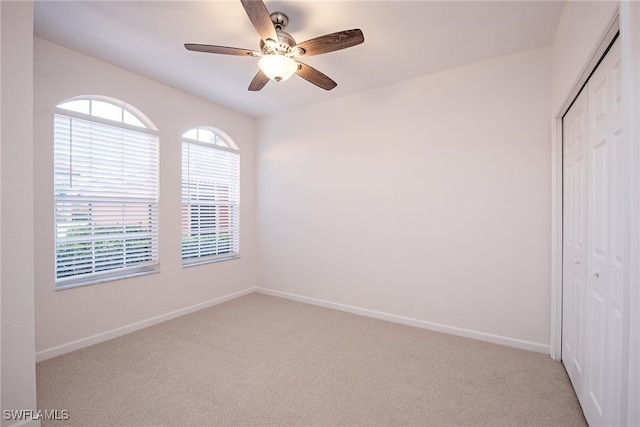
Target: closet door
[[604, 309], [574, 263], [593, 317]]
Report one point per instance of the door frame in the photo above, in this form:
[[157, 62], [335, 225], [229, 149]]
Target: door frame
[[613, 27], [630, 30]]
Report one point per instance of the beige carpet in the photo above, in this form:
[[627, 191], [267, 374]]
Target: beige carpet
[[261, 360]]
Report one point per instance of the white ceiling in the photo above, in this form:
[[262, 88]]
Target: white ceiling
[[403, 40]]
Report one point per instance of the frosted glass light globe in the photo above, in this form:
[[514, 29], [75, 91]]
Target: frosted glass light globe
[[277, 67]]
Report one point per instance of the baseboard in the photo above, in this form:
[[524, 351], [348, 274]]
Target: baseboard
[[482, 336], [114, 333]]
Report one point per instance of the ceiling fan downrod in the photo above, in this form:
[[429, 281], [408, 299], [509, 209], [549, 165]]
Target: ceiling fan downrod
[[280, 20]]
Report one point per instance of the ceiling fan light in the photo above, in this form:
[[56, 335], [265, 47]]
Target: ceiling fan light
[[277, 67]]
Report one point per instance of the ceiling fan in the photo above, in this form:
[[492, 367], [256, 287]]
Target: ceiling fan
[[279, 50]]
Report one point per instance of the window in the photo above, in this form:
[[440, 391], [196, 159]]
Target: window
[[210, 197], [106, 192]]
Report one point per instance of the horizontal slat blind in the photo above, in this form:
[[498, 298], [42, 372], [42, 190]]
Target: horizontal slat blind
[[210, 202], [106, 201]]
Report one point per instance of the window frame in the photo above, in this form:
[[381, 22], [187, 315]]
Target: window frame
[[233, 205], [108, 274]]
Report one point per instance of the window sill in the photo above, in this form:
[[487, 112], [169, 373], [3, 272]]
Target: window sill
[[201, 261], [89, 282]]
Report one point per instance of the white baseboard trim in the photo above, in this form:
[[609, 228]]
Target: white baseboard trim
[[114, 333], [467, 333]]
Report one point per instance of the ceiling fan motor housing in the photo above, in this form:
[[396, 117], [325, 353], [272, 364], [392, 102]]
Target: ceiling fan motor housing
[[285, 42]]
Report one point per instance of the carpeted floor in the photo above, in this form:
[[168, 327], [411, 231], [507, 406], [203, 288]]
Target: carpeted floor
[[262, 360]]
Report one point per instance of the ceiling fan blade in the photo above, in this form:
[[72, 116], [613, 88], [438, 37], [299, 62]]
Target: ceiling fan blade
[[207, 48], [332, 42], [258, 81], [259, 16], [314, 76]]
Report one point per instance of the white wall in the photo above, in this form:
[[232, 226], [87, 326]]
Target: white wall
[[18, 383], [108, 309], [427, 200], [630, 29], [1, 54]]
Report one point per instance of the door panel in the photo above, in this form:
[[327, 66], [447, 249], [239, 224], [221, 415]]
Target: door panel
[[599, 194], [596, 354], [574, 237], [593, 319], [603, 337], [615, 332], [581, 201]]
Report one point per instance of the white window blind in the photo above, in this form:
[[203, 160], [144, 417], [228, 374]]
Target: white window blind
[[210, 202], [106, 199]]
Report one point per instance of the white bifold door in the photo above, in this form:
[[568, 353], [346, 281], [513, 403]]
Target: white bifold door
[[593, 316]]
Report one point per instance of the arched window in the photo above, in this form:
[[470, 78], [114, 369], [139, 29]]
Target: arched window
[[106, 191], [210, 196]]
